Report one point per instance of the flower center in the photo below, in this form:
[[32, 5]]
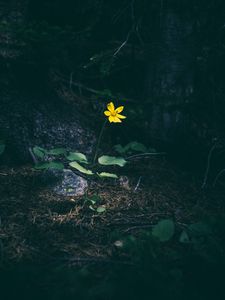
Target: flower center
[[113, 113]]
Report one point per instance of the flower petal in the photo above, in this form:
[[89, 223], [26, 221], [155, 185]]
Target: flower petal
[[107, 113], [119, 109], [111, 107], [120, 116], [111, 119], [117, 120]]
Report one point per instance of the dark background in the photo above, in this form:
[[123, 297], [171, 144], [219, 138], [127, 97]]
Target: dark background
[[164, 60]]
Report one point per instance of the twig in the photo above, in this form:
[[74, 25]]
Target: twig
[[217, 177], [33, 156], [124, 43], [146, 154], [91, 90], [81, 86], [139, 227], [138, 34], [208, 166], [138, 183], [119, 13], [136, 223]]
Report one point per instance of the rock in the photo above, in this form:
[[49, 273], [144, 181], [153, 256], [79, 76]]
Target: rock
[[33, 111], [65, 182], [124, 182], [26, 121]]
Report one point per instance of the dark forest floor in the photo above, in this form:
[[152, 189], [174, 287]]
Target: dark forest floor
[[40, 228]]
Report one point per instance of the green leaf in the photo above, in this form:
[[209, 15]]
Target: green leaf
[[164, 230], [39, 152], [135, 146], [77, 156], [56, 165], [41, 166], [77, 166], [57, 151], [120, 149], [184, 238], [93, 199], [109, 175], [2, 147], [112, 160], [132, 146], [91, 207], [49, 165], [101, 209]]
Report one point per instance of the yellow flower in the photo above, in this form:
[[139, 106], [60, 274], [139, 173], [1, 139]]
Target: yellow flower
[[114, 114]]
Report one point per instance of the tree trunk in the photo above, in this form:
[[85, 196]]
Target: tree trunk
[[171, 73]]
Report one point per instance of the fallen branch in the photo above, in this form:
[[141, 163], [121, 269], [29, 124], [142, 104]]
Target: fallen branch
[[139, 227], [146, 154], [84, 87], [217, 177]]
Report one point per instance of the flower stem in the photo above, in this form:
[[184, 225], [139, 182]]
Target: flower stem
[[99, 140]]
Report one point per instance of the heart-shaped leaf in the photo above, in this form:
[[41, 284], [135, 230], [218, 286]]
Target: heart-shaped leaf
[[77, 166], [77, 156], [164, 230], [112, 160]]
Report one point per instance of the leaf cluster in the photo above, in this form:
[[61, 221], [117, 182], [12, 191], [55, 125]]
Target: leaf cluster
[[59, 158]]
